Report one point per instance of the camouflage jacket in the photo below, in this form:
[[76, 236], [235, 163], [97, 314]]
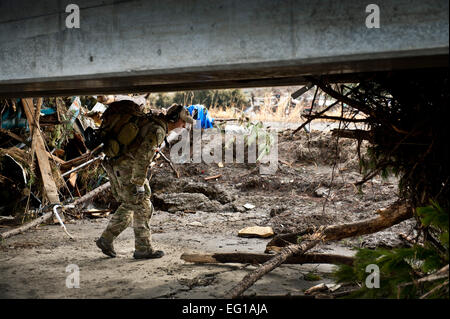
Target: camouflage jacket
[[151, 136]]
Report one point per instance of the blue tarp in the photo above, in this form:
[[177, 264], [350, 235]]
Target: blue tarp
[[203, 118], [12, 120]]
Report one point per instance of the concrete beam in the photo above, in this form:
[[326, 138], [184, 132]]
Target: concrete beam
[[134, 46]]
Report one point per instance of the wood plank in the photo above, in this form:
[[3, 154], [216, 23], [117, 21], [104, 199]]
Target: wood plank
[[249, 258], [73, 178], [38, 145]]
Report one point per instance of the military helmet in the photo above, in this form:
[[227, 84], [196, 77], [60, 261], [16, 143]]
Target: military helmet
[[176, 112]]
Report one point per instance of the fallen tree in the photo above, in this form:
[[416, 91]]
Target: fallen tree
[[393, 215], [33, 223], [388, 217]]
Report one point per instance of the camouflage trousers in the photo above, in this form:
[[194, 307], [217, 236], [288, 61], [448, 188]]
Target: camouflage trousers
[[133, 209]]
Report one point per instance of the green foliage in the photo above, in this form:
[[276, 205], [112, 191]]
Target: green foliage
[[401, 265], [407, 115], [311, 276], [434, 216], [161, 100], [256, 133], [62, 132]]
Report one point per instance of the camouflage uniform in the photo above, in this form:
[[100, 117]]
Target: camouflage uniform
[[125, 174]]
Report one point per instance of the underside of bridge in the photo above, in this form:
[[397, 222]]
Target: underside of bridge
[[151, 46]]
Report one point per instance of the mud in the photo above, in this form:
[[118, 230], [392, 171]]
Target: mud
[[312, 187]]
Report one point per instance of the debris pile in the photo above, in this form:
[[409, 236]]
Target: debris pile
[[44, 159]]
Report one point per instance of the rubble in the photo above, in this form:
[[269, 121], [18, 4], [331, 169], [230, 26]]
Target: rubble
[[174, 202], [43, 156]]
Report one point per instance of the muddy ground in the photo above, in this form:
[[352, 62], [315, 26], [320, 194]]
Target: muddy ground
[[312, 187]]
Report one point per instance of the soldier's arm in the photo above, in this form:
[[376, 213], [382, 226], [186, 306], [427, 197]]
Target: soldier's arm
[[144, 155]]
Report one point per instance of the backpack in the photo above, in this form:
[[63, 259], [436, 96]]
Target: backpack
[[120, 128]]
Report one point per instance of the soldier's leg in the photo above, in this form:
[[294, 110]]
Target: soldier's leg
[[141, 225], [124, 213], [121, 218], [143, 211], [119, 222]]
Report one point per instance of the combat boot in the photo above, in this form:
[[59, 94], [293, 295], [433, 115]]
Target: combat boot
[[106, 247], [148, 254]]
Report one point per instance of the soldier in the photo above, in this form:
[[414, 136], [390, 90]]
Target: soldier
[[129, 185]]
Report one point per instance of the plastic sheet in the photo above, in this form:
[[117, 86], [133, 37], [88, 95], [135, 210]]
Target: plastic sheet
[[203, 119]]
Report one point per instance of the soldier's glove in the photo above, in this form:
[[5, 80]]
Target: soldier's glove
[[140, 192]]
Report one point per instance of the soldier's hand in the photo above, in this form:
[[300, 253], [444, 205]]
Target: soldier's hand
[[140, 191]]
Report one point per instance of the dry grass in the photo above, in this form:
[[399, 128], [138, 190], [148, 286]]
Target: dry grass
[[268, 113]]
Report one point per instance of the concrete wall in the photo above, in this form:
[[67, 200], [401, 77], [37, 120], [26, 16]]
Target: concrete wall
[[165, 45]]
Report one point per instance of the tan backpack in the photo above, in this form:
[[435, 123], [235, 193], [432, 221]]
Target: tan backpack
[[120, 127]]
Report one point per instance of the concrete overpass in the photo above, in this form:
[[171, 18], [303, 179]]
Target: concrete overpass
[[148, 46]]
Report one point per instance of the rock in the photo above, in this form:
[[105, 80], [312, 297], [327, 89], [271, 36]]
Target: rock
[[249, 206], [276, 210], [238, 208], [174, 202], [212, 191], [198, 224], [321, 192], [256, 231]]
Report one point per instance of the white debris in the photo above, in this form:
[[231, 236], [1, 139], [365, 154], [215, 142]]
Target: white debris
[[98, 107], [198, 224], [321, 192], [249, 206], [333, 287]]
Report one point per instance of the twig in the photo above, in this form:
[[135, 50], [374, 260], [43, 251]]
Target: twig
[[336, 118], [445, 283], [344, 98], [312, 117], [212, 177], [440, 274]]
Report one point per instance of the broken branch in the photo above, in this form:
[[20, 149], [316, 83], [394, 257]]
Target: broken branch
[[270, 265], [92, 194], [386, 218], [212, 177], [27, 226], [354, 134]]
